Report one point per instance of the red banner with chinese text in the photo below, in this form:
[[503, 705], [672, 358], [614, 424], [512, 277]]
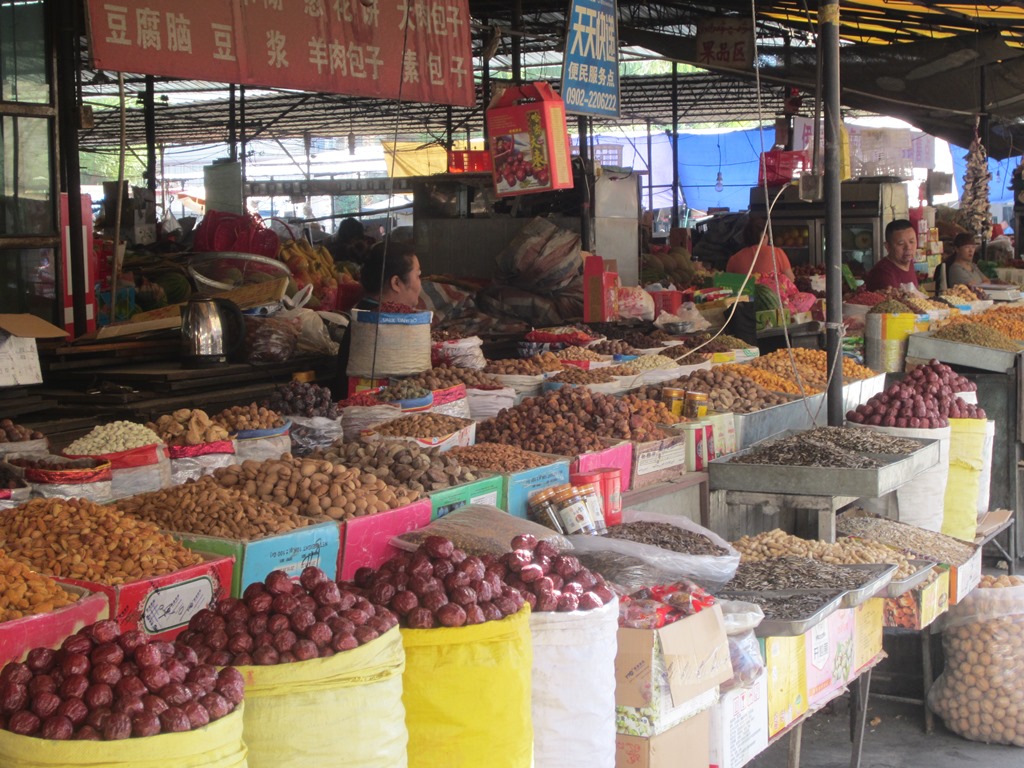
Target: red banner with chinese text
[[413, 50]]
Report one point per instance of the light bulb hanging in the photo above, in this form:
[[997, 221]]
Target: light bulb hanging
[[719, 185]]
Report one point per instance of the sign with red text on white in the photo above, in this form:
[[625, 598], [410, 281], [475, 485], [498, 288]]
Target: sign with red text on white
[[413, 50], [725, 42]]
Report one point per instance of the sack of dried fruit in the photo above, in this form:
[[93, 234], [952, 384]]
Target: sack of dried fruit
[[979, 695], [322, 668]]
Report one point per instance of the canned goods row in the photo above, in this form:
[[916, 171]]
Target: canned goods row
[[588, 504]]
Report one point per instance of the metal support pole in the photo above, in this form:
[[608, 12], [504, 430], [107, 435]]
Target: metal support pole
[[585, 235], [675, 145], [232, 125], [66, 52], [448, 129], [149, 123], [650, 174], [828, 15], [241, 128], [517, 41], [485, 88]]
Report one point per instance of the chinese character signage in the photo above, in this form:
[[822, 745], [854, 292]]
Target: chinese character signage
[[590, 72], [416, 50], [726, 42]]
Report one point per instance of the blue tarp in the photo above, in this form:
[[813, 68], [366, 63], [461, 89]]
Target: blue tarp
[[1001, 170]]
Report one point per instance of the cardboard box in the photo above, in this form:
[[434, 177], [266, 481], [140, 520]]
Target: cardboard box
[[600, 289], [693, 653], [488, 490], [684, 746], [289, 552], [739, 725], [49, 630], [964, 578], [619, 456], [366, 541], [661, 714], [19, 357], [528, 140], [667, 301], [657, 461], [161, 606], [519, 486], [919, 607], [785, 660], [867, 634], [829, 654]]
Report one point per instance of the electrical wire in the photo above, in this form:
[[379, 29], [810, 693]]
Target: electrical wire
[[122, 150]]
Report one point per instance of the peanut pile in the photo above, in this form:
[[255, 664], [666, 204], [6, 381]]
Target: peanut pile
[[846, 551], [75, 538], [204, 507]]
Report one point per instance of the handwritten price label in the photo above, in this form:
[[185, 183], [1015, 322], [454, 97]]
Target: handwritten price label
[[172, 606]]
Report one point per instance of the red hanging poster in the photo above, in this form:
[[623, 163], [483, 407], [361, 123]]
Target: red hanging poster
[[413, 50]]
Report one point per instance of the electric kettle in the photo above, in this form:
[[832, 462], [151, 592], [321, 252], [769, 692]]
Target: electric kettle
[[212, 331]]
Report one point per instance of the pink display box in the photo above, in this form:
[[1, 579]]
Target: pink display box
[[619, 456], [366, 541]]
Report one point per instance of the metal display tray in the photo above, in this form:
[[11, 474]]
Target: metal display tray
[[726, 474], [927, 347], [789, 627], [881, 581], [902, 586], [798, 414]]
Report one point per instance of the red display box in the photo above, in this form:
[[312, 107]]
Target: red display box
[[48, 630], [161, 606], [529, 143], [366, 541]]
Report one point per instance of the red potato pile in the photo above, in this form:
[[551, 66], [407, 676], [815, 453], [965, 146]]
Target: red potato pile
[[925, 399], [550, 581], [278, 621], [438, 585], [103, 685]]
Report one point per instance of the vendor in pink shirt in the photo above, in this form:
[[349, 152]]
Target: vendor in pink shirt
[[897, 268]]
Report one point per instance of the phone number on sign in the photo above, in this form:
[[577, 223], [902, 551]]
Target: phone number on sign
[[579, 97]]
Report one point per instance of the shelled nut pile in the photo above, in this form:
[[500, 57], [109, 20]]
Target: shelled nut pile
[[78, 539], [497, 457], [240, 418], [421, 425], [206, 507]]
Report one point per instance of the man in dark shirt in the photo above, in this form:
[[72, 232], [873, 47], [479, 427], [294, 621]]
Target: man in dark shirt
[[897, 268]]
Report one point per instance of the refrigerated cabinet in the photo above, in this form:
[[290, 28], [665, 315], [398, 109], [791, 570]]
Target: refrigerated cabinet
[[798, 227]]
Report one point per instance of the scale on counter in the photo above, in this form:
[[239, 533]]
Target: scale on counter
[[1001, 292]]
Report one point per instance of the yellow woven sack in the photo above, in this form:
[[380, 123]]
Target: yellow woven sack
[[966, 457], [217, 745], [343, 711], [467, 695]]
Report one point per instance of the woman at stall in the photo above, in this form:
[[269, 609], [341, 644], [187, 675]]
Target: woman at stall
[[391, 275], [962, 270], [765, 257]]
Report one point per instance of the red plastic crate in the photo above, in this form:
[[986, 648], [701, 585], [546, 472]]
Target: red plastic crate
[[781, 167], [469, 161]]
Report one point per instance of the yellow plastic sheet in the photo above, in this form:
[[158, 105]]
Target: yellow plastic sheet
[[344, 711], [467, 695], [217, 745], [966, 457]]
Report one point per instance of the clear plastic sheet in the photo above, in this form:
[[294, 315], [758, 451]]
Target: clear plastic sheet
[[480, 529], [979, 695]]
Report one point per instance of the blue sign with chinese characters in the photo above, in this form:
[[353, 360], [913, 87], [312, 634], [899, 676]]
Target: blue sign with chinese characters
[[590, 71]]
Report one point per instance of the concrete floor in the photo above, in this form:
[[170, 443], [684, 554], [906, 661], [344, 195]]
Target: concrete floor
[[897, 740]]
